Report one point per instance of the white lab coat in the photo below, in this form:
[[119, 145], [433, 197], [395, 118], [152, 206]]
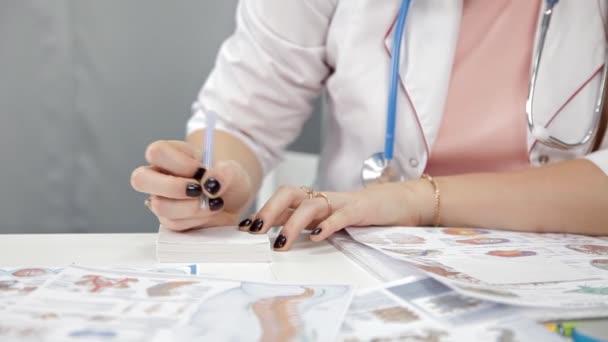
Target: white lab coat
[[285, 51]]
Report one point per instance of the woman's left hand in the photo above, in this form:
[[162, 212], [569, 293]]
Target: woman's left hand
[[379, 205]]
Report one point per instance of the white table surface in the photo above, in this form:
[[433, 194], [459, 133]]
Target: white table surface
[[307, 262]]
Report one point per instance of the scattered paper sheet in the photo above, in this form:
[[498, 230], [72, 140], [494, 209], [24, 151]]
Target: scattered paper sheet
[[380, 265], [16, 283], [270, 312], [425, 310], [143, 300], [80, 303], [501, 271], [450, 255], [388, 269]]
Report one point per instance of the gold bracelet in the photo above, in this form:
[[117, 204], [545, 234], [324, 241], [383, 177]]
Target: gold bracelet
[[437, 215]]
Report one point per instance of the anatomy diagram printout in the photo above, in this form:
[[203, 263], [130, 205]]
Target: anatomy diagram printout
[[415, 309], [530, 269], [79, 303]]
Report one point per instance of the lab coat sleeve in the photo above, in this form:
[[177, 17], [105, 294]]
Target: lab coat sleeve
[[267, 74]]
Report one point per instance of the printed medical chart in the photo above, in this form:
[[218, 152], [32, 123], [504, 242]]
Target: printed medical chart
[[415, 309], [27, 323], [388, 269], [80, 303], [132, 298], [270, 312], [16, 283], [545, 270]]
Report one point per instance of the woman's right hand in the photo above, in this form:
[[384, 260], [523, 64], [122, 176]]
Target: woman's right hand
[[175, 180]]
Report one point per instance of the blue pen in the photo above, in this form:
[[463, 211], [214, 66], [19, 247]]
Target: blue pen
[[207, 157]]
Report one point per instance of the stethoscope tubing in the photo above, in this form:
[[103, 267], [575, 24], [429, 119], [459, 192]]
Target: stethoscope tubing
[[389, 143], [540, 133]]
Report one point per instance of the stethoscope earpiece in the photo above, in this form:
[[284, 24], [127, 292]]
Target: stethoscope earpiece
[[540, 133]]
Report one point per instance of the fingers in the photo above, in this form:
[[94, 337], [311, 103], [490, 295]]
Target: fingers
[[273, 212], [306, 213], [338, 220], [176, 157], [219, 219], [220, 178], [248, 222], [146, 179], [180, 225], [175, 209]]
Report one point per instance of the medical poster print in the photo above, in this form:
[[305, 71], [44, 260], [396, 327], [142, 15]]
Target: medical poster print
[[136, 299], [531, 269], [26, 317], [416, 309], [270, 312], [18, 282], [23, 330], [82, 304]]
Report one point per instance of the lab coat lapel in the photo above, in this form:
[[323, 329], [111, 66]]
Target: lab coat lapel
[[573, 55], [427, 53]]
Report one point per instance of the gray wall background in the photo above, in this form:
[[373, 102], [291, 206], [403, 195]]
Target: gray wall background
[[84, 87]]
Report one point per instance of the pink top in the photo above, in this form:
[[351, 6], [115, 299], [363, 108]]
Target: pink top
[[484, 124]]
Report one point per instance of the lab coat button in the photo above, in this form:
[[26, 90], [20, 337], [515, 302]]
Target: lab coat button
[[413, 162], [543, 159]]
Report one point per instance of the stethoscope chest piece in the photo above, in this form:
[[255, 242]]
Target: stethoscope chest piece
[[377, 169], [381, 167]]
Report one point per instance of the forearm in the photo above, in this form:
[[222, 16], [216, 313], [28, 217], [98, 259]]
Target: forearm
[[227, 147], [566, 197]]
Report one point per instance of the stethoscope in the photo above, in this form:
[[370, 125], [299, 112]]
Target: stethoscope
[[381, 167]]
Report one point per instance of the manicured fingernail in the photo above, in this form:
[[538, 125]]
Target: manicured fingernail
[[246, 222], [256, 226], [316, 231], [212, 186], [280, 241], [193, 190], [216, 204], [199, 173]]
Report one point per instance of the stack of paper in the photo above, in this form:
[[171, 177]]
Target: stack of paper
[[208, 245]]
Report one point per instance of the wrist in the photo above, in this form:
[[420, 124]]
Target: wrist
[[421, 198]]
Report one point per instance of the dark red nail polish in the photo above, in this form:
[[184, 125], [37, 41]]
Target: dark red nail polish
[[256, 226], [212, 186], [199, 173], [216, 204], [193, 190], [245, 223], [280, 241]]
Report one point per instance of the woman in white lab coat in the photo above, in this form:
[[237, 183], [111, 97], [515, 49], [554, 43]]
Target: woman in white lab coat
[[465, 69]]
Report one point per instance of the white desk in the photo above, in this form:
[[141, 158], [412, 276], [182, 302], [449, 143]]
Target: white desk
[[307, 262]]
